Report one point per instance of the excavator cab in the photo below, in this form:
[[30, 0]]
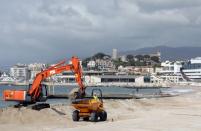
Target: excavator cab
[[43, 93], [97, 94]]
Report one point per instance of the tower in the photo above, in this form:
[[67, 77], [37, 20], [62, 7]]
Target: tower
[[114, 54]]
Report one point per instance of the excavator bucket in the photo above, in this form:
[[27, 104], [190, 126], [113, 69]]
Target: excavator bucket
[[14, 95]]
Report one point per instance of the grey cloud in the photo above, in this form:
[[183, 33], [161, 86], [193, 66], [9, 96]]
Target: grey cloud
[[45, 30]]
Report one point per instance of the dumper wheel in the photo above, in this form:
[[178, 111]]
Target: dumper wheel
[[103, 116], [86, 118], [94, 117], [76, 116]]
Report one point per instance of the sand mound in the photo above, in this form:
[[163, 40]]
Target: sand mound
[[61, 114], [26, 116]]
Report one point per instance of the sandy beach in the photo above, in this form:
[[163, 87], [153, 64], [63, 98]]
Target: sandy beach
[[179, 113]]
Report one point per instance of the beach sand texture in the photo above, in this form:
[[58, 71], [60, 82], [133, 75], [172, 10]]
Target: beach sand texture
[[180, 113]]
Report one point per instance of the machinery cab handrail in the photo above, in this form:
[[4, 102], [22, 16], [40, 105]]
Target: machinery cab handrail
[[93, 92]]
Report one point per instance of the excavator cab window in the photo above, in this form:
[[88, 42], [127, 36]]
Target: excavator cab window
[[43, 92]]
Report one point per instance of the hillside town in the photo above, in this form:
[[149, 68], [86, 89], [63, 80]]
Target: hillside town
[[123, 70]]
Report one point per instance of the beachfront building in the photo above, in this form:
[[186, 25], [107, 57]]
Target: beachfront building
[[4, 79], [20, 72], [192, 69], [139, 70], [171, 71], [179, 71], [106, 78], [69, 77], [121, 80]]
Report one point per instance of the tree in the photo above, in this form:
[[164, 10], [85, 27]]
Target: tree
[[85, 61], [155, 59], [100, 56], [139, 57], [129, 57], [94, 57], [147, 57]]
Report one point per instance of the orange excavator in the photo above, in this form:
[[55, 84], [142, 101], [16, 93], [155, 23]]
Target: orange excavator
[[36, 93], [85, 107]]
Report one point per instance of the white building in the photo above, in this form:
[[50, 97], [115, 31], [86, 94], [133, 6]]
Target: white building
[[196, 60], [171, 67], [5, 78], [123, 58], [171, 71], [91, 64], [20, 71], [192, 69], [114, 54], [35, 68], [179, 71], [105, 64], [137, 69]]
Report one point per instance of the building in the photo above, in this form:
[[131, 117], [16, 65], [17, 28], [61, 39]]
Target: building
[[191, 70], [123, 58], [120, 80], [105, 64], [170, 71], [20, 72], [140, 70], [114, 54], [69, 76], [179, 71], [35, 68], [91, 64], [5, 79]]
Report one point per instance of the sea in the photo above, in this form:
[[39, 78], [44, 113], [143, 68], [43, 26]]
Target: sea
[[66, 89]]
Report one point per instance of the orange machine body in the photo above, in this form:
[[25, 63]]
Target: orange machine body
[[35, 91], [14, 95], [87, 106]]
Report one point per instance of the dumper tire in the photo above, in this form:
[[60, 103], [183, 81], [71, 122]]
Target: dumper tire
[[75, 115], [94, 117], [86, 118], [103, 116]]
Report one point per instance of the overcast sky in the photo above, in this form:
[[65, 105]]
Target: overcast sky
[[47, 30]]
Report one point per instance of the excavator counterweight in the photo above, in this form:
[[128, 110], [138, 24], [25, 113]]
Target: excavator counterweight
[[14, 95]]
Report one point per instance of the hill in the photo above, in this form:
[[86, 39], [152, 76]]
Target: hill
[[168, 53]]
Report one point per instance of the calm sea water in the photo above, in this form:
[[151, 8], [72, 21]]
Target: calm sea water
[[67, 89]]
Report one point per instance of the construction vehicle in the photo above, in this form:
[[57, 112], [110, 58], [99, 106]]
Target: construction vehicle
[[88, 108], [85, 107], [36, 91]]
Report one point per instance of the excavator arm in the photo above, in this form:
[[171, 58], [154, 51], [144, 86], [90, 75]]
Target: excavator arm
[[35, 91]]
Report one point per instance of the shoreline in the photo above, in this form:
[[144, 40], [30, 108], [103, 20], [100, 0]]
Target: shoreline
[[125, 85]]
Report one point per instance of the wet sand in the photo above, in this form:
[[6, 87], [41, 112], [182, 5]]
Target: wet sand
[[169, 113]]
